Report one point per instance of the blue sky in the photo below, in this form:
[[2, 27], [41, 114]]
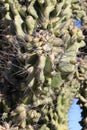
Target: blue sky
[[78, 23], [74, 116]]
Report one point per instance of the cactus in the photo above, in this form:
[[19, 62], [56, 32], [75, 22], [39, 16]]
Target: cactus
[[39, 63]]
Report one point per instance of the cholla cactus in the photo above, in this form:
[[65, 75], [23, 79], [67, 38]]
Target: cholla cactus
[[83, 69], [39, 63]]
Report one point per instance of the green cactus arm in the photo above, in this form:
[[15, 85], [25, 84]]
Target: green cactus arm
[[59, 7], [50, 5], [17, 19], [47, 11], [31, 9], [30, 27], [41, 66], [21, 9], [57, 81], [18, 25]]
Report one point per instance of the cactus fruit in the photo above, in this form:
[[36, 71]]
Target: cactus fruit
[[41, 65]]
